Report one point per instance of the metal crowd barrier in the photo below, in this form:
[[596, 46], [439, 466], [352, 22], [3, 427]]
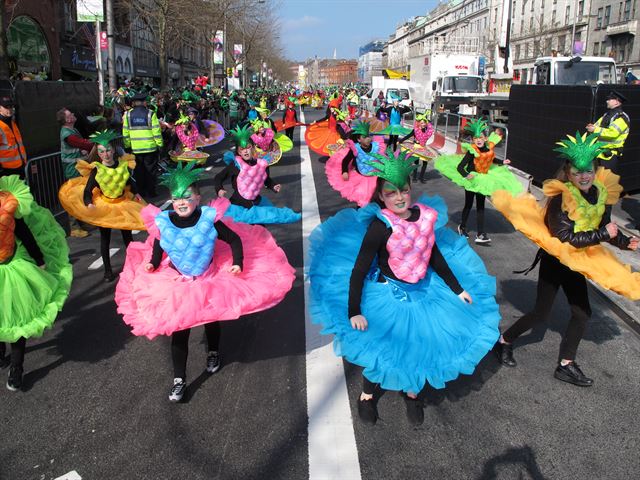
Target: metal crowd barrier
[[45, 176]]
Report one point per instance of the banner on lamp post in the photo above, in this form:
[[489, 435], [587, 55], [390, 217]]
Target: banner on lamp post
[[89, 11], [218, 47], [104, 43]]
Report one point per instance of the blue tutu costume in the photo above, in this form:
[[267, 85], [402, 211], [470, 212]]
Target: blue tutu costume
[[417, 332]]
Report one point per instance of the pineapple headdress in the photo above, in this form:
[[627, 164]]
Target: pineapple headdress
[[476, 127], [394, 169], [423, 117], [104, 137], [180, 178], [580, 150], [362, 129], [241, 136]]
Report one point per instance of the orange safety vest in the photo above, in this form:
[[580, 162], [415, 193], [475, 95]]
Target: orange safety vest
[[12, 152]]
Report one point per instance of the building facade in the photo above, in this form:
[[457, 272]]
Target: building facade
[[370, 60], [612, 31]]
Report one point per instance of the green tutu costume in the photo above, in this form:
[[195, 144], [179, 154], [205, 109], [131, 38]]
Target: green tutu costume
[[498, 177], [31, 297]]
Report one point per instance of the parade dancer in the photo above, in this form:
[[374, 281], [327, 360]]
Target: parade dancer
[[270, 145], [104, 196], [478, 175], [248, 175], [182, 277], [289, 118], [569, 230], [422, 132], [395, 128], [331, 129], [188, 133], [35, 273], [350, 169], [395, 287]]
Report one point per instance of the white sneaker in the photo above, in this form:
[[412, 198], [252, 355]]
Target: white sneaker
[[213, 362], [178, 389], [482, 238]]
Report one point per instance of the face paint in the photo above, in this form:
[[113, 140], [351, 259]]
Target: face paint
[[245, 153], [398, 201], [186, 204], [105, 154], [582, 180]]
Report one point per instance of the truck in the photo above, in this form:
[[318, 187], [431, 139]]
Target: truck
[[401, 88], [446, 81], [576, 70]]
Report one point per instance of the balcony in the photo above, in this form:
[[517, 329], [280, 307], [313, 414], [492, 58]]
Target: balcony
[[619, 28]]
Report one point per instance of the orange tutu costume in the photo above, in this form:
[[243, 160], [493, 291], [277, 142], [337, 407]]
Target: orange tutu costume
[[321, 135], [596, 262], [121, 213]]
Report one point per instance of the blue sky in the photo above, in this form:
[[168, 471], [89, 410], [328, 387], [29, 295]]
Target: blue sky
[[316, 27]]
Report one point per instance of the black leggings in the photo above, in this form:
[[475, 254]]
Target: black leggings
[[393, 141], [468, 203], [105, 241], [17, 352], [180, 347], [368, 387], [552, 276], [289, 132]]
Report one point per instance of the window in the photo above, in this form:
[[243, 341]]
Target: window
[[620, 12], [596, 48], [580, 9], [567, 15], [517, 52], [561, 42], [522, 12], [607, 15], [68, 17], [603, 49], [521, 26], [531, 23], [533, 3], [599, 19], [553, 18], [547, 45], [627, 10]]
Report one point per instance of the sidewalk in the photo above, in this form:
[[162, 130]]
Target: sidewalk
[[626, 214]]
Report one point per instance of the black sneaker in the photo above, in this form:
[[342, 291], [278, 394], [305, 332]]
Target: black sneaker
[[504, 352], [178, 390], [571, 373], [213, 362], [415, 410], [482, 238], [109, 276], [367, 411], [14, 382], [462, 231]]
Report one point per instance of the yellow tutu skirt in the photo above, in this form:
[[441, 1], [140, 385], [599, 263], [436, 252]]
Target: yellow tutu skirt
[[122, 213], [596, 263]]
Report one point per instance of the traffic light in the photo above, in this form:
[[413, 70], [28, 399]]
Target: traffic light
[[229, 72]]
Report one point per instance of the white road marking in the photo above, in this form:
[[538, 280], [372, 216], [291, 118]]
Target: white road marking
[[72, 475], [98, 263], [208, 169], [333, 454]]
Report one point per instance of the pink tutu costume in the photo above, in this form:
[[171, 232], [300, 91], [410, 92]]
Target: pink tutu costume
[[165, 301], [359, 188]]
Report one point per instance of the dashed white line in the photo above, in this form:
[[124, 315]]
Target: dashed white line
[[72, 475], [333, 454], [98, 263]]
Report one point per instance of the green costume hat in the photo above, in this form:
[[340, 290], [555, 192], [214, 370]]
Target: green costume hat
[[341, 115], [476, 127], [258, 123], [362, 129], [183, 120], [180, 178], [104, 137], [580, 150], [241, 136], [263, 111], [423, 117], [394, 169]]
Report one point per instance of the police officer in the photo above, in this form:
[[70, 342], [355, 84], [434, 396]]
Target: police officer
[[142, 134], [613, 129], [13, 156]]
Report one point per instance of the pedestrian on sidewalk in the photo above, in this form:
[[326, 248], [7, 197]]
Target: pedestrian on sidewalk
[[578, 214]]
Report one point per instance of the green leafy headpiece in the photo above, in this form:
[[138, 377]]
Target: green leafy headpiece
[[241, 136], [341, 115], [394, 169], [183, 120], [104, 137], [476, 127], [423, 117], [180, 178], [362, 129], [580, 150]]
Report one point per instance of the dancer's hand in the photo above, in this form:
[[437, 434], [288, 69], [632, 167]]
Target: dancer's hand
[[507, 161], [137, 197], [470, 176], [91, 206], [465, 297], [359, 322], [276, 188], [590, 127], [43, 266], [222, 192], [345, 176], [612, 229], [235, 269], [149, 267], [633, 243]]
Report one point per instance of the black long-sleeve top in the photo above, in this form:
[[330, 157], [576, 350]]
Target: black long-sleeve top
[[87, 195], [224, 233], [231, 171], [561, 226], [402, 109], [466, 165], [375, 244], [22, 233]]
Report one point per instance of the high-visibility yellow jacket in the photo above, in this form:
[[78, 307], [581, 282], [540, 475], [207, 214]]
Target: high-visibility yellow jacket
[[613, 129], [12, 152], [141, 130]]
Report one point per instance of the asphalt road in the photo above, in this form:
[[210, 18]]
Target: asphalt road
[[95, 399]]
